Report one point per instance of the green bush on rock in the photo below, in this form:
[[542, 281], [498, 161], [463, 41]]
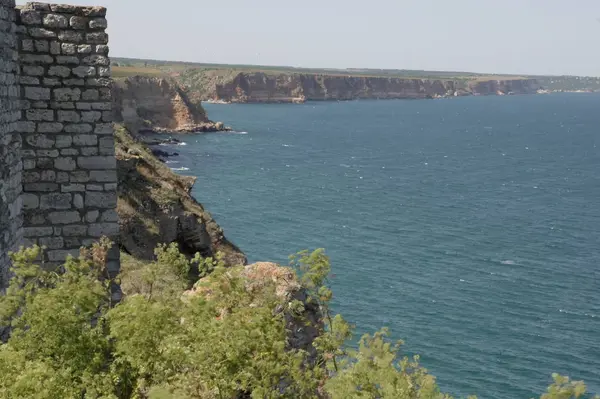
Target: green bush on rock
[[222, 337]]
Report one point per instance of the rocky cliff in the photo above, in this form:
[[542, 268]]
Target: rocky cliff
[[155, 206], [256, 87], [157, 104]]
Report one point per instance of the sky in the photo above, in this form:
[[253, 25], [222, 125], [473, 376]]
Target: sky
[[552, 37]]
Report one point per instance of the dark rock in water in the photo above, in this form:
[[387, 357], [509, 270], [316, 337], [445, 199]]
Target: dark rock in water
[[163, 154]]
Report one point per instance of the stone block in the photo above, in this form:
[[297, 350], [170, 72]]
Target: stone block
[[103, 176], [91, 116], [84, 49], [58, 70], [80, 176], [72, 187], [90, 95], [38, 115], [65, 164], [75, 231], [97, 162], [55, 21], [42, 46], [85, 139], [64, 217], [52, 242], [28, 164], [62, 177], [98, 23], [70, 36], [74, 82], [69, 116], [55, 48], [96, 59], [67, 94], [47, 153], [84, 71], [78, 201], [55, 201], [42, 104], [33, 70], [42, 33], [25, 127], [30, 201], [27, 45], [31, 17], [96, 38], [100, 200], [63, 141], [52, 82], [103, 229], [88, 151], [62, 105], [79, 128], [39, 141], [93, 11], [37, 231], [67, 59], [94, 187], [40, 187], [102, 82], [37, 93], [101, 49], [36, 59], [92, 216], [29, 80], [50, 127], [104, 72], [69, 152], [109, 216], [69, 48], [105, 106], [78, 23], [63, 8]]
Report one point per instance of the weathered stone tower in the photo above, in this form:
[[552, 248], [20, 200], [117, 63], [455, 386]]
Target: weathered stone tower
[[57, 166]]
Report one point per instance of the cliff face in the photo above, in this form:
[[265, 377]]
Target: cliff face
[[501, 87], [157, 104], [266, 87], [155, 206]]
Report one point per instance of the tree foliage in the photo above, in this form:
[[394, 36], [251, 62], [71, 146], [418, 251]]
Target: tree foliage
[[223, 338]]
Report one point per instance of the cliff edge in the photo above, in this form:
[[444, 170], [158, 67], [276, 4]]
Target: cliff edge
[[257, 87], [158, 104], [155, 206]]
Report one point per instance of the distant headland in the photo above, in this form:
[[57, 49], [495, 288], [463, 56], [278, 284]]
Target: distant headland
[[220, 83]]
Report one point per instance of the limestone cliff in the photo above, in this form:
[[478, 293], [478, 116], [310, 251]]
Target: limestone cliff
[[157, 104], [256, 87], [155, 206]]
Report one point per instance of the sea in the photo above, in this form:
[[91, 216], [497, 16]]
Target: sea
[[468, 226]]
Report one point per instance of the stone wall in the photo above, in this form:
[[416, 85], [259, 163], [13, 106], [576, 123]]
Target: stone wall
[[10, 141], [65, 125]]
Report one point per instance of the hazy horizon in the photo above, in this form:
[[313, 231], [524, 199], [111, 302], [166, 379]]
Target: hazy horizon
[[521, 37]]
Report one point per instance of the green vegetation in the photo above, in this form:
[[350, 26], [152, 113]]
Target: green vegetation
[[226, 337]]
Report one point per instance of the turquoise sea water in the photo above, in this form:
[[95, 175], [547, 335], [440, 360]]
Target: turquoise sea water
[[469, 226]]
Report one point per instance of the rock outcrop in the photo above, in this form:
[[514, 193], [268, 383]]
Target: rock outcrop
[[257, 87], [158, 104], [302, 328], [155, 206]]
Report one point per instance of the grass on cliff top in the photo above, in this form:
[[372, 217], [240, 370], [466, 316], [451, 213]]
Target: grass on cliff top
[[175, 67], [126, 71]]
